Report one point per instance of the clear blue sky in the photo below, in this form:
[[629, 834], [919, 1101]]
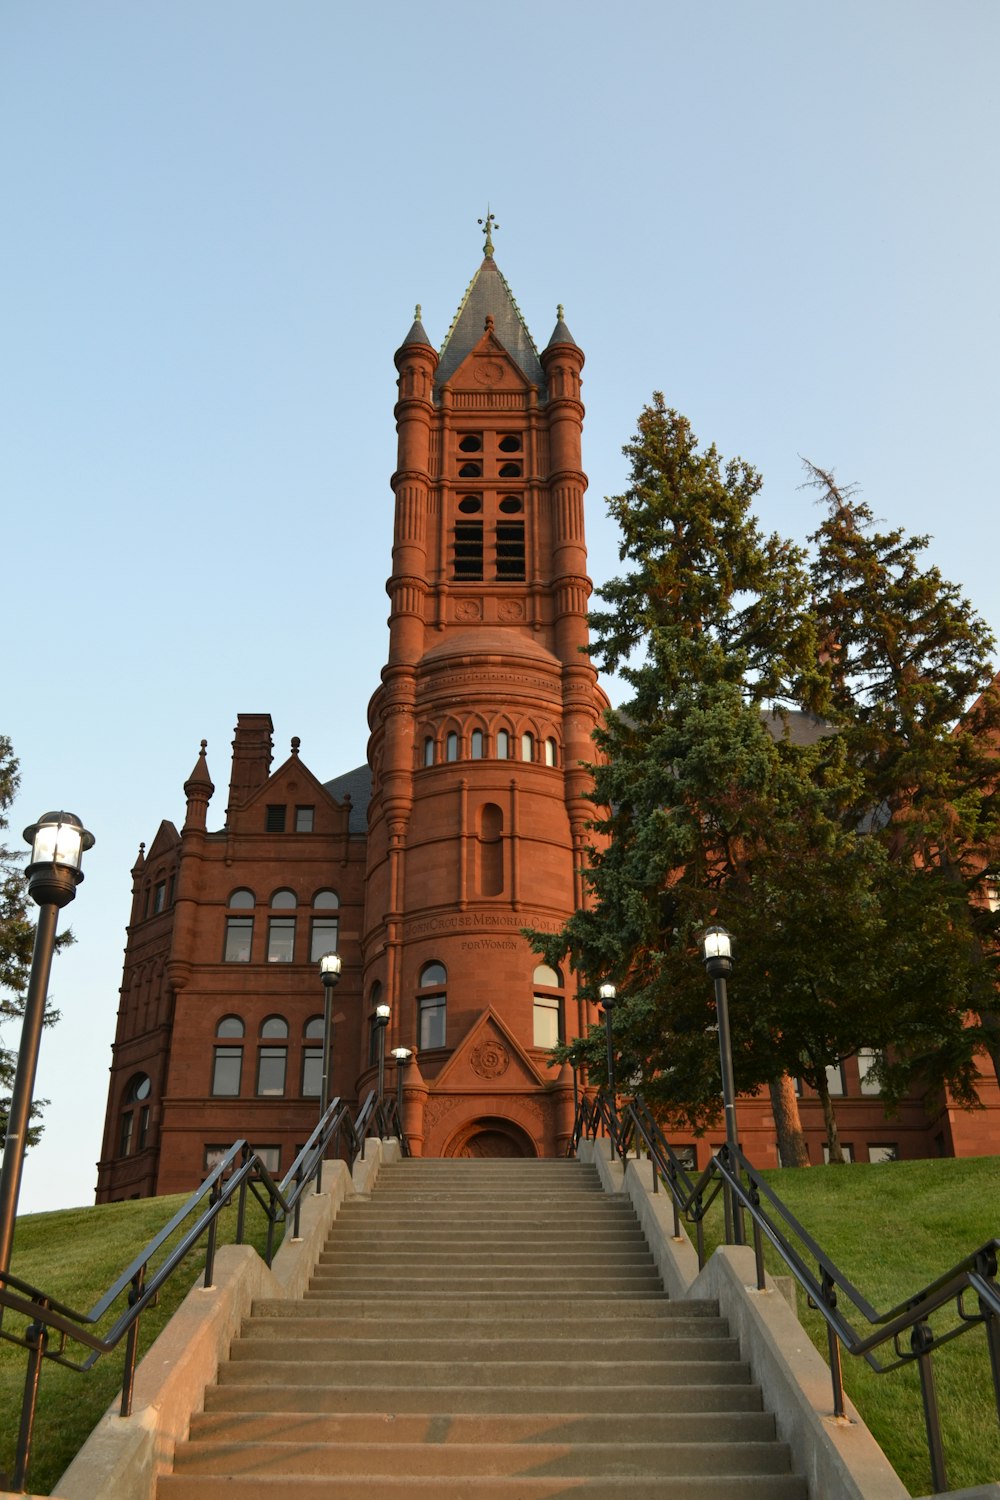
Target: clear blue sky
[[218, 215]]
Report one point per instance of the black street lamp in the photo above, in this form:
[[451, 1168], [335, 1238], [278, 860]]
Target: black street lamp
[[402, 1056], [329, 970], [382, 1014], [608, 995], [717, 950], [58, 841]]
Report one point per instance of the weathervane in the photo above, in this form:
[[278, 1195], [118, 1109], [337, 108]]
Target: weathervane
[[489, 224]]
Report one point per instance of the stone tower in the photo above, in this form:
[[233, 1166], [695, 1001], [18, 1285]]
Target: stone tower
[[480, 725]]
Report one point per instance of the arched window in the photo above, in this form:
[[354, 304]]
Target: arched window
[[451, 745], [272, 1059], [281, 930], [325, 929], [428, 751], [527, 745], [477, 744], [138, 1090], [432, 1005], [503, 745], [312, 1058], [239, 930], [547, 1007], [227, 1059], [550, 751]]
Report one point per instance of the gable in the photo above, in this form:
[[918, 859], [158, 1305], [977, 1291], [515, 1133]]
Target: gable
[[489, 1058]]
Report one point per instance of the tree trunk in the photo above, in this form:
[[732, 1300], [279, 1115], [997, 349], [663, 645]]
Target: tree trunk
[[829, 1119], [792, 1150]]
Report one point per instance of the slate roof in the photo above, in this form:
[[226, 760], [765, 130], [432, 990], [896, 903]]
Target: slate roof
[[356, 784], [489, 295]]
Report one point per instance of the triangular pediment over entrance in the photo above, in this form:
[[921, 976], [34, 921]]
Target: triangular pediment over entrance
[[489, 1057]]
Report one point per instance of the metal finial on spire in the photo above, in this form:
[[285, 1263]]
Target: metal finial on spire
[[418, 313], [489, 224], [559, 312]]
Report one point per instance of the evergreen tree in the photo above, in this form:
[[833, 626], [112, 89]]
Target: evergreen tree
[[17, 935], [842, 865]]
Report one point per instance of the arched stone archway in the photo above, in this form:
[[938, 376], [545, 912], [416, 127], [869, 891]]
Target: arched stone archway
[[490, 1137]]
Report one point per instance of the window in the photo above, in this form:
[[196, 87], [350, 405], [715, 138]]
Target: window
[[548, 1021], [503, 745], [471, 505], [477, 744], [227, 1063], [867, 1060], [428, 751], [527, 746], [548, 1009], [239, 936], [510, 471], [227, 1070], [284, 900], [687, 1156], [271, 1158], [272, 1059], [489, 850], [274, 818], [510, 444], [550, 752], [835, 1081], [242, 900], [323, 938], [471, 443], [281, 940], [125, 1136], [510, 551], [511, 505], [432, 1008], [468, 558], [992, 886], [312, 1058], [159, 896], [470, 471], [304, 819], [883, 1151], [451, 745], [325, 930], [847, 1151], [143, 1127]]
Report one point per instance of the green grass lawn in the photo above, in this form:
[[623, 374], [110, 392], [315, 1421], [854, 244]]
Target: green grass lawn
[[893, 1228], [75, 1255]]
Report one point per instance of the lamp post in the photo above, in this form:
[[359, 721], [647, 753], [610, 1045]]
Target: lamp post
[[329, 970], [58, 841], [382, 1014], [717, 950], [608, 995], [402, 1056]]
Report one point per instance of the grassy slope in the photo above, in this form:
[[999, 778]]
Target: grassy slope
[[892, 1228], [75, 1255]]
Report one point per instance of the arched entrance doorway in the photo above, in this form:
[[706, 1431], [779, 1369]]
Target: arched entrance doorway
[[490, 1137]]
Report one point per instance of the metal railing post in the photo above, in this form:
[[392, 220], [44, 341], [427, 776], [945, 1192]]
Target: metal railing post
[[921, 1340], [37, 1337], [131, 1344]]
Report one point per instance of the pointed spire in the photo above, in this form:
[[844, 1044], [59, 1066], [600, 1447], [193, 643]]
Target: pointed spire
[[140, 860], [488, 295], [560, 333], [198, 790], [417, 333]]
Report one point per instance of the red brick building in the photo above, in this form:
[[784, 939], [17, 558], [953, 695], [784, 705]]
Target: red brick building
[[421, 867]]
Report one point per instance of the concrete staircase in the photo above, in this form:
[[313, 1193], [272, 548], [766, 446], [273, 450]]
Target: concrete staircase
[[479, 1329]]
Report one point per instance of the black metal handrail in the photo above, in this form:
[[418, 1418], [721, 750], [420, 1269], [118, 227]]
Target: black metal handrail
[[745, 1191], [240, 1171]]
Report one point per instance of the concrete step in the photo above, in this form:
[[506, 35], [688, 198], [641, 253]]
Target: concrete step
[[352, 1486], [577, 1460], [264, 1343], [325, 1325], [256, 1367], [504, 1310], [623, 1400], [470, 1427]]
